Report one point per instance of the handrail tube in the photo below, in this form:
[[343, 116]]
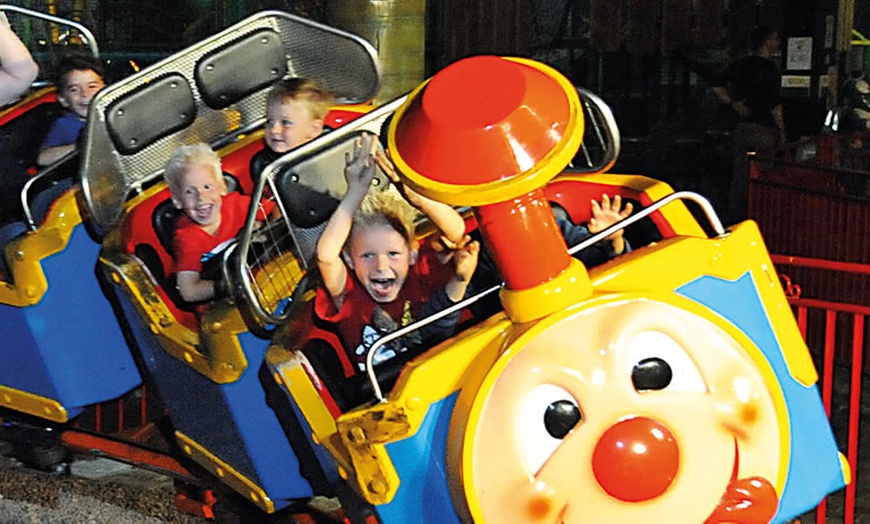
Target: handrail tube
[[819, 263], [25, 201], [837, 307], [89, 37], [705, 205]]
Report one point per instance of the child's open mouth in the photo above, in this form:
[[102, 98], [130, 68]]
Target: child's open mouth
[[382, 286], [204, 213]]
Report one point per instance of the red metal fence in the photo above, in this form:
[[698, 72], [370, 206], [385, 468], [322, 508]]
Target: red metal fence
[[811, 200], [834, 332]]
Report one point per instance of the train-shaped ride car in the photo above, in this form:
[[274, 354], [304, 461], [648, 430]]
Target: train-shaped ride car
[[670, 383]]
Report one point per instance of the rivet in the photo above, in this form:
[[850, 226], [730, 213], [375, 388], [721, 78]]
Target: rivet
[[377, 486]]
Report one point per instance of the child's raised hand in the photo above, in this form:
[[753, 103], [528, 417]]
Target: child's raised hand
[[465, 259], [386, 164], [464, 255], [359, 169], [608, 213]]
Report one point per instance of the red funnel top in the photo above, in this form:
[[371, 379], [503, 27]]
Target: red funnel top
[[482, 121]]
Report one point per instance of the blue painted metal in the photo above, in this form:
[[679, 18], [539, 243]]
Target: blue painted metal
[[814, 468], [69, 346], [419, 460], [232, 421]]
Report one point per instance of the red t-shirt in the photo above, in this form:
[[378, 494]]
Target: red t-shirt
[[192, 242], [353, 322]]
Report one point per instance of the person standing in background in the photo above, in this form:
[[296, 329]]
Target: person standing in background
[[750, 88]]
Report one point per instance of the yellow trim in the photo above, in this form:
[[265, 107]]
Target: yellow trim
[[31, 404], [26, 252], [27, 100], [214, 353], [478, 385], [727, 258], [844, 467], [229, 476], [291, 376], [223, 360], [433, 376], [567, 288], [499, 190]]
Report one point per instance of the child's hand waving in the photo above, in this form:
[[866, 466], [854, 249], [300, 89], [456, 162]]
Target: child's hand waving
[[359, 169], [605, 215], [608, 213]]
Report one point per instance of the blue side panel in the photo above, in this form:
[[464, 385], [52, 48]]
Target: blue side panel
[[232, 421], [423, 496], [69, 346], [814, 465]]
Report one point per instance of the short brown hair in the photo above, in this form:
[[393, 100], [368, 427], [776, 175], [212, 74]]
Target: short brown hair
[[77, 62], [311, 92]]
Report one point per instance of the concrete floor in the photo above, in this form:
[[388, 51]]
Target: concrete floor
[[97, 491]]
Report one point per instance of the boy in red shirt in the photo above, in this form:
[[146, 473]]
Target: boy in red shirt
[[374, 280], [211, 215]]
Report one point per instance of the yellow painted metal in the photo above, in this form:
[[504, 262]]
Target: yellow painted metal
[[438, 373], [31, 404], [25, 253], [225, 473], [729, 258], [566, 288], [291, 374]]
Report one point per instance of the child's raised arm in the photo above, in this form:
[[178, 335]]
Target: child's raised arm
[[359, 172], [445, 218]]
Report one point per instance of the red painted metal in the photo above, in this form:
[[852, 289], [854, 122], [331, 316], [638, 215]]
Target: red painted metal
[[830, 331], [128, 452], [536, 251], [499, 118], [836, 343], [854, 411], [815, 263]]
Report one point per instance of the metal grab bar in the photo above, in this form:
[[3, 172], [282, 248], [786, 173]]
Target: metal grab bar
[[86, 33]]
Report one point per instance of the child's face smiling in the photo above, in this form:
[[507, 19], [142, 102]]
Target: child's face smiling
[[289, 124], [380, 257], [81, 87], [201, 196]]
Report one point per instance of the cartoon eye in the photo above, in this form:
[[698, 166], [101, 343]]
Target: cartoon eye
[[547, 416], [651, 373], [660, 363]]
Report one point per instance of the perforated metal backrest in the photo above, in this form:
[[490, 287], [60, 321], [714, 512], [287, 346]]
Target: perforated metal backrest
[[211, 92]]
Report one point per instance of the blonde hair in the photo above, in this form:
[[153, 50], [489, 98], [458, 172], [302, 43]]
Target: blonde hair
[[185, 156], [314, 95], [386, 208]]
